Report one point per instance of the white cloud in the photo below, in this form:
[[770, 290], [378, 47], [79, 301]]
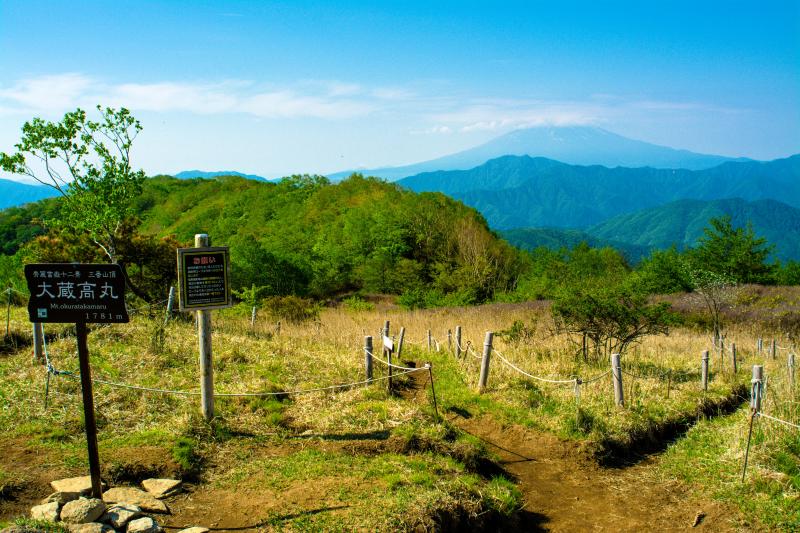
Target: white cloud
[[63, 92], [433, 130], [47, 94], [429, 111]]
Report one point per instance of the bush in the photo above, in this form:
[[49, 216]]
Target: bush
[[611, 317], [356, 303], [291, 309]]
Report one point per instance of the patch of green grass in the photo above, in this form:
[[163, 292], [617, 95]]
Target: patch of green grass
[[711, 458], [42, 525], [185, 453]]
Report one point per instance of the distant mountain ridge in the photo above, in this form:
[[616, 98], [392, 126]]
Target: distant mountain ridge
[[557, 238], [523, 192], [575, 145], [679, 223], [189, 174], [13, 193], [682, 222]]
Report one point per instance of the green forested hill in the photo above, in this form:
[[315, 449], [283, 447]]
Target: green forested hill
[[682, 222], [304, 235]]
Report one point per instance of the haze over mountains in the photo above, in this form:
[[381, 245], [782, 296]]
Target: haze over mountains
[[576, 145]]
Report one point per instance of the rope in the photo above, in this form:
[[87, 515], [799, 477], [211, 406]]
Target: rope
[[9, 290], [48, 365], [473, 353], [390, 364], [592, 380], [636, 376], [556, 381], [148, 306], [779, 420], [253, 394]]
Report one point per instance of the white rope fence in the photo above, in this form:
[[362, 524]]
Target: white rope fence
[[537, 378], [257, 394]]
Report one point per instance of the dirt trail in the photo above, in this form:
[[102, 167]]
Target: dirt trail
[[566, 491]]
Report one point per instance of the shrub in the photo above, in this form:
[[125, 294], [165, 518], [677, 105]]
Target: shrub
[[356, 303], [292, 308]]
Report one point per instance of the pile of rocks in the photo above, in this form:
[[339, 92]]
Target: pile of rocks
[[122, 509]]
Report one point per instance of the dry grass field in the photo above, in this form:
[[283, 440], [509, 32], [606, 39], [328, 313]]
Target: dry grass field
[[381, 461]]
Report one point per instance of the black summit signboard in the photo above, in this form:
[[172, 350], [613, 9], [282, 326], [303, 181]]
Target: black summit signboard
[[76, 293]]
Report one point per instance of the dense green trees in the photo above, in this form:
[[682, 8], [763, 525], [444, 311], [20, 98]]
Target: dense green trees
[[735, 253], [307, 237]]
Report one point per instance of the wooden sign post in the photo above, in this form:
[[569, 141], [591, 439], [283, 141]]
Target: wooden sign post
[[203, 274], [80, 294]]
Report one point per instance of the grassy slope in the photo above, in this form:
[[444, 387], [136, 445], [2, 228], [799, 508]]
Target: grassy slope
[[366, 450]]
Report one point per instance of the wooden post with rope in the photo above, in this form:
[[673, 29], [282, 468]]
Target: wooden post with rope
[[755, 408], [38, 343], [400, 342], [616, 373], [704, 371], [170, 305], [487, 352], [368, 356]]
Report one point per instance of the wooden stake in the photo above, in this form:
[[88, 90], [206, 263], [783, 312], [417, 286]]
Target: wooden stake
[[487, 352], [458, 342], [8, 312], [38, 342], [88, 410], [449, 341], [253, 317], [704, 371], [430, 340], [669, 382], [433, 390], [584, 348], [386, 329], [774, 349], [400, 342], [733, 358], [757, 382], [791, 371], [170, 304], [389, 368], [616, 373], [204, 343], [368, 356]]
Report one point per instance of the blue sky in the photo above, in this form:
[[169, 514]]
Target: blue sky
[[274, 88]]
